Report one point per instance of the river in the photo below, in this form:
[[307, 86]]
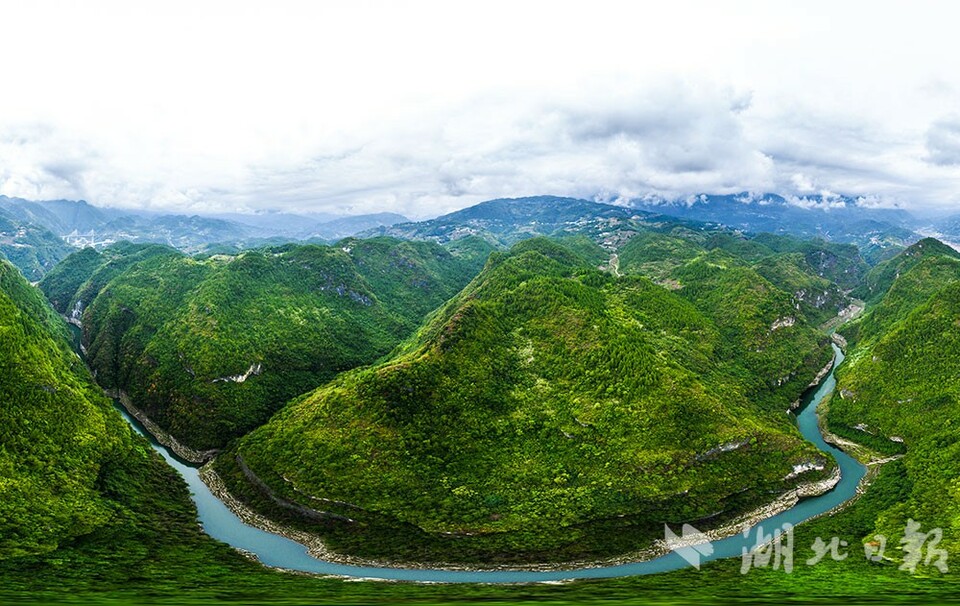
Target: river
[[275, 550]]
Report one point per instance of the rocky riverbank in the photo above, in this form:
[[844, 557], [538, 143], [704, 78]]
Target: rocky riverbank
[[824, 372], [186, 453], [318, 549]]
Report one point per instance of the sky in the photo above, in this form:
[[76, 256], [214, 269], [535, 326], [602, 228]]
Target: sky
[[426, 107]]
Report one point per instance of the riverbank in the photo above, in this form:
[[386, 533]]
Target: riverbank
[[817, 380], [318, 549], [197, 457], [870, 459], [303, 553]]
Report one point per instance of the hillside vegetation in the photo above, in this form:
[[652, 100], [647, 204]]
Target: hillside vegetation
[[210, 348], [508, 381], [553, 411], [899, 390], [817, 274], [31, 248], [78, 485], [78, 279]]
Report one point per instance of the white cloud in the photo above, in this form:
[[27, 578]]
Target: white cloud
[[943, 142], [426, 107], [802, 183]]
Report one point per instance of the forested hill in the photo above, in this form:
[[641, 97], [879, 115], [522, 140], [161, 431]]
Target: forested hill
[[554, 411], [73, 473], [818, 274], [899, 390], [507, 221], [881, 278], [88, 510], [78, 279], [211, 347], [31, 248]]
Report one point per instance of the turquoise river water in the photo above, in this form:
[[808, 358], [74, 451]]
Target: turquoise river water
[[275, 550]]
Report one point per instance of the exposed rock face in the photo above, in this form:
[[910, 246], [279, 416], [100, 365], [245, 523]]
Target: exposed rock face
[[255, 369], [783, 323]]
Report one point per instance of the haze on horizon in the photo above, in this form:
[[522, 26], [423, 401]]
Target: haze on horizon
[[422, 108]]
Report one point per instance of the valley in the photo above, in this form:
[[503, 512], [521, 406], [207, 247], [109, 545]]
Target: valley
[[500, 402], [289, 549]]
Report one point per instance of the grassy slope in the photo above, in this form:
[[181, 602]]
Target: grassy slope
[[548, 396], [172, 331]]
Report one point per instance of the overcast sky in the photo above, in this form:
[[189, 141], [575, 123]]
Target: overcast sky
[[425, 107]]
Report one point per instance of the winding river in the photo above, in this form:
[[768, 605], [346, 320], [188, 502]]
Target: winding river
[[274, 550]]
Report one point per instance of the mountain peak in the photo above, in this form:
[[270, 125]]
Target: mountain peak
[[930, 246]]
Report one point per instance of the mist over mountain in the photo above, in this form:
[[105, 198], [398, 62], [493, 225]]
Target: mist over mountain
[[36, 235], [880, 232]]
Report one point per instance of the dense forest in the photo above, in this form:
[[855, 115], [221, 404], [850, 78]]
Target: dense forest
[[211, 347], [556, 405], [85, 501], [548, 399], [899, 390]]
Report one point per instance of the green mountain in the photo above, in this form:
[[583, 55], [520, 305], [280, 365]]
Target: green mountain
[[210, 348], [88, 510], [549, 411], [899, 390], [817, 273], [29, 247], [879, 280], [880, 233], [74, 476], [78, 279], [837, 262]]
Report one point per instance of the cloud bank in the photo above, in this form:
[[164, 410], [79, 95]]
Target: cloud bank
[[427, 108]]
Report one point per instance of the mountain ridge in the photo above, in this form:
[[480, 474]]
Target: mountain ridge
[[527, 371]]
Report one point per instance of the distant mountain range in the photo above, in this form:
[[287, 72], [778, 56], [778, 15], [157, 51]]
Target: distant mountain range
[[879, 232], [508, 220], [35, 236], [59, 216], [768, 212]]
